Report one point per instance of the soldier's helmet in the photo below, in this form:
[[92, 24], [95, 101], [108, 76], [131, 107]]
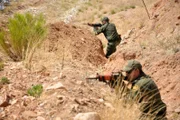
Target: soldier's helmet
[[105, 19], [132, 64]]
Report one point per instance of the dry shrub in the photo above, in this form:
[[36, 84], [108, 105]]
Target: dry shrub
[[168, 44], [121, 111], [123, 107]]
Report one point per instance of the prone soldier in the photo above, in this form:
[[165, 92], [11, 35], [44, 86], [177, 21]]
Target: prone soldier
[[140, 88], [144, 92]]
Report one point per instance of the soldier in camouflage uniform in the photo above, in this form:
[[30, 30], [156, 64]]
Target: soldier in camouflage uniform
[[110, 32], [145, 92]]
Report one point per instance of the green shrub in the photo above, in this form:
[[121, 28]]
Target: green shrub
[[35, 91], [26, 33], [132, 7], [89, 4], [4, 80]]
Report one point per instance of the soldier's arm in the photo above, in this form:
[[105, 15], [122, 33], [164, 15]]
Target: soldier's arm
[[98, 30]]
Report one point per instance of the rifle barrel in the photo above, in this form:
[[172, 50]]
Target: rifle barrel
[[91, 78]]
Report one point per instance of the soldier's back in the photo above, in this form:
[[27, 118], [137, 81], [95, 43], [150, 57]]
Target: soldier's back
[[149, 97]]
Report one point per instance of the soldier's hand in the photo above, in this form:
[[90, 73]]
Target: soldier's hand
[[89, 24], [128, 84]]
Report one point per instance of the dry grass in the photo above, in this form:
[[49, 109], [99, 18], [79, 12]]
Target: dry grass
[[127, 105], [123, 107], [169, 44], [120, 111]]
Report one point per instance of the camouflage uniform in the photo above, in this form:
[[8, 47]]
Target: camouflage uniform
[[145, 92], [110, 32]]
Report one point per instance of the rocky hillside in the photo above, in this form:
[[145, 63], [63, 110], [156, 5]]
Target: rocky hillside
[[71, 52]]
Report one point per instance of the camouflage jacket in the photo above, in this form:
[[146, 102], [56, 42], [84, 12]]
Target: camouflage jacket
[[109, 31], [145, 92]]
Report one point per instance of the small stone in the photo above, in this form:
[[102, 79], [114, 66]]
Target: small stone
[[40, 118], [58, 118], [80, 82], [13, 102], [5, 101], [177, 110], [27, 114], [109, 105], [100, 100], [55, 78], [56, 86], [87, 116], [61, 75]]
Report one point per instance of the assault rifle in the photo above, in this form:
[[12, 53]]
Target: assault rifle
[[115, 80], [94, 24], [112, 79]]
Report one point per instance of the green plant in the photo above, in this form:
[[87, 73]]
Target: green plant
[[132, 7], [89, 4], [125, 8], [26, 33], [113, 11], [35, 91], [80, 10], [4, 80]]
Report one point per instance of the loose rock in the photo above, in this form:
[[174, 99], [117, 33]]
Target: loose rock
[[87, 116]]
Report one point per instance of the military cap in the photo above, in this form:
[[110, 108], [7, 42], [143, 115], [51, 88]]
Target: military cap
[[105, 19], [132, 64]]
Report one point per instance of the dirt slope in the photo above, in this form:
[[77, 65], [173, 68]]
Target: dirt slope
[[157, 47], [82, 53], [72, 53], [79, 43]]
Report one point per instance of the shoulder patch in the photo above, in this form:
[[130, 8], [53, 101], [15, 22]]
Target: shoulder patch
[[135, 87]]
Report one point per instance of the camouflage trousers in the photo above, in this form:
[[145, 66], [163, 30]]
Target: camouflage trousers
[[111, 48]]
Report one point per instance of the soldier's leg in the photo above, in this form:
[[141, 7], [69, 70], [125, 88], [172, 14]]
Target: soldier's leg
[[111, 48]]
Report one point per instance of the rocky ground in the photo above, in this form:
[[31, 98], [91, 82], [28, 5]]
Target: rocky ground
[[71, 53]]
